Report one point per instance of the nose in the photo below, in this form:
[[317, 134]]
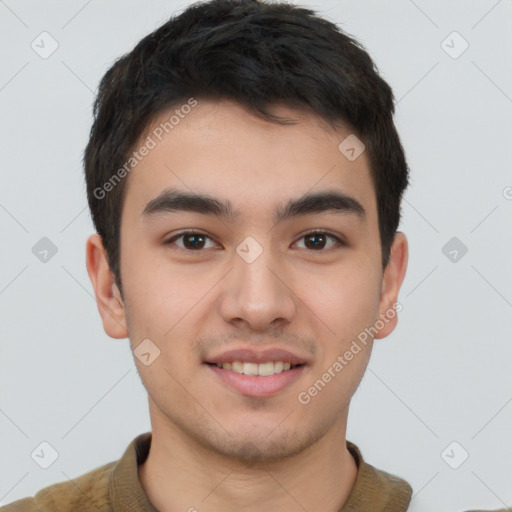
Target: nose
[[258, 293]]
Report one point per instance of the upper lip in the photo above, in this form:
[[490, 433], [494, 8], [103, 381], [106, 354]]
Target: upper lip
[[250, 355]]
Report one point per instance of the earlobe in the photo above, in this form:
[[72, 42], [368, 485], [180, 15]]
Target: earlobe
[[392, 280], [108, 299]]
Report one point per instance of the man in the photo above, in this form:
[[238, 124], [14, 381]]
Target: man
[[245, 177]]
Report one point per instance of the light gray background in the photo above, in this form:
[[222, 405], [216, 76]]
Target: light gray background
[[444, 374]]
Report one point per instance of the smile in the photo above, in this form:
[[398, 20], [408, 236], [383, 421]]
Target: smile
[[256, 380], [262, 369]]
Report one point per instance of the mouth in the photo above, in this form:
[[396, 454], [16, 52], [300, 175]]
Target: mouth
[[256, 379], [265, 369]]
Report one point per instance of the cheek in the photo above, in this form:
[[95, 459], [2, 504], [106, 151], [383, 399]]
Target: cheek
[[167, 302], [345, 300], [160, 306], [156, 298], [347, 305], [161, 309]]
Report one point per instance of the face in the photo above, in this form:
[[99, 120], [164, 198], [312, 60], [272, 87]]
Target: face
[[249, 281]]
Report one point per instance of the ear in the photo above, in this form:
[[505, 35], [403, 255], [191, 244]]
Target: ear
[[394, 274], [108, 298]]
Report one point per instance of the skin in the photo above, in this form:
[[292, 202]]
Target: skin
[[212, 447]]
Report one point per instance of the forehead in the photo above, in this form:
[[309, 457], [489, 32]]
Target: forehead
[[222, 150]]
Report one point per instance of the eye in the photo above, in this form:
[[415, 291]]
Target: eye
[[196, 241], [316, 240], [192, 240]]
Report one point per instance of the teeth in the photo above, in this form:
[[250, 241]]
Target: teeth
[[250, 369], [236, 366], [266, 369], [262, 369]]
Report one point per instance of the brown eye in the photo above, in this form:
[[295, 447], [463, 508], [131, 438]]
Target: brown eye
[[317, 240], [192, 241]]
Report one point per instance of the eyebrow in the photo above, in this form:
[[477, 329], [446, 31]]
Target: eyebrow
[[329, 201]]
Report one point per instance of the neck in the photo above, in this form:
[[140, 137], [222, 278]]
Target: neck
[[180, 474]]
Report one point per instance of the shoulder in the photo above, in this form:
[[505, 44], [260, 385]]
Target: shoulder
[[88, 492], [393, 491], [375, 489]]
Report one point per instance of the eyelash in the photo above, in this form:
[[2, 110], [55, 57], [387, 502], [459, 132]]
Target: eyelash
[[339, 242]]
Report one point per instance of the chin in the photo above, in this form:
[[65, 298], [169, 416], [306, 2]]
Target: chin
[[252, 448]]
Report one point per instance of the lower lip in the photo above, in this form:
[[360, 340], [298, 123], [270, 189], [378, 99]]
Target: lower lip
[[254, 385]]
